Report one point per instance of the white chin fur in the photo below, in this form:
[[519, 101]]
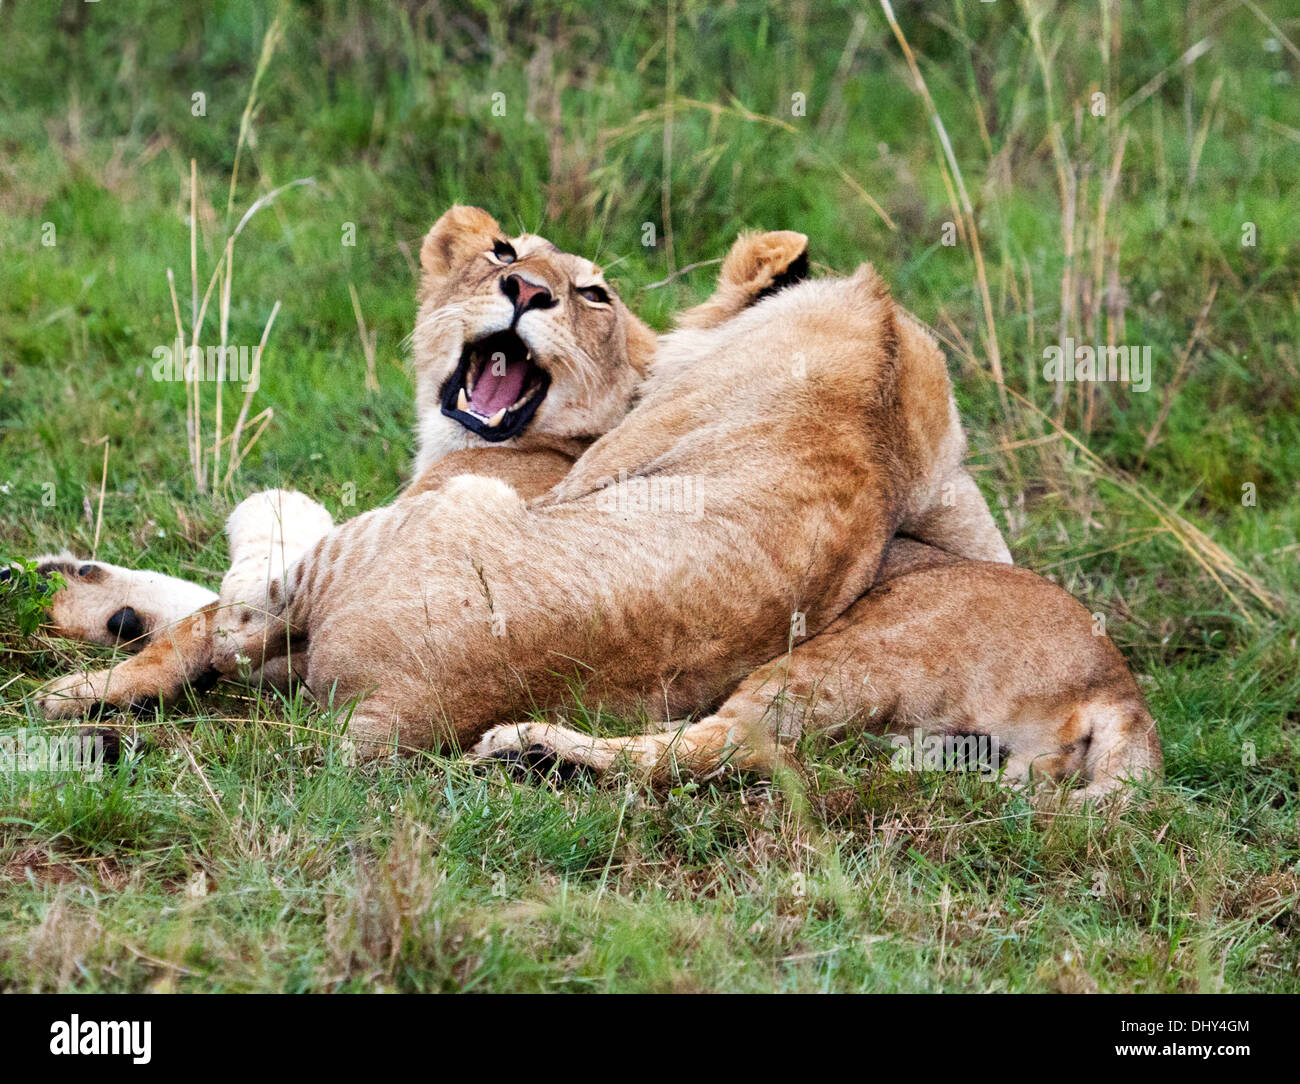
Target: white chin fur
[[439, 435]]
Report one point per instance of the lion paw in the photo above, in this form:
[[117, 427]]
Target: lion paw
[[523, 747], [106, 604], [501, 741], [75, 695]]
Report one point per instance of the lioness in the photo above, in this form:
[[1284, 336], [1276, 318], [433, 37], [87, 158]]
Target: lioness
[[965, 649], [814, 425], [524, 355]]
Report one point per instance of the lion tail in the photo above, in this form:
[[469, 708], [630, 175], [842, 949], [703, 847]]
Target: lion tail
[[1125, 748]]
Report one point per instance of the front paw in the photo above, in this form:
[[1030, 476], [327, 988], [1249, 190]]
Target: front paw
[[505, 739], [74, 695], [524, 746]]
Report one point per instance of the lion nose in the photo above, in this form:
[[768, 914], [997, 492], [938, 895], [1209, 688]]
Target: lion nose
[[526, 294], [125, 624]]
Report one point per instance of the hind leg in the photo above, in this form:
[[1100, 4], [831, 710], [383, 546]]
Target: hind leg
[[268, 533], [694, 751], [960, 522], [749, 732]]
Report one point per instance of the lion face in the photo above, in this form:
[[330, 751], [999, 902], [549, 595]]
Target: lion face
[[104, 604], [518, 343]]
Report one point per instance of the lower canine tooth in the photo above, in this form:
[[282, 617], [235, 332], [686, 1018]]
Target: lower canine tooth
[[462, 401], [496, 418]]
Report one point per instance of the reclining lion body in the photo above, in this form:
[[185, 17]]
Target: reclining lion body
[[452, 611], [946, 646], [594, 355], [810, 429]]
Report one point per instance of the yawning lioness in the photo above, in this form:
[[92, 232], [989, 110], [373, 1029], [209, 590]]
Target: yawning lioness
[[815, 422]]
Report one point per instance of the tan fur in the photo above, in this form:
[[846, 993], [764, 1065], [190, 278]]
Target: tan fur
[[812, 426], [788, 420], [177, 657], [947, 645]]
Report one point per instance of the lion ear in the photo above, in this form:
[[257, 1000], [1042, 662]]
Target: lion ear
[[760, 264], [757, 266], [642, 343], [462, 232]]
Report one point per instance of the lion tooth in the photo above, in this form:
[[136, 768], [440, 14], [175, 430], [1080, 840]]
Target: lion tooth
[[462, 401], [495, 420]]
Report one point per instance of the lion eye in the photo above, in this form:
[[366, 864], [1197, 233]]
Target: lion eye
[[595, 293], [503, 252]]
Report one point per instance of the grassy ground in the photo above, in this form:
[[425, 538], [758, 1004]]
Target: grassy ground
[[237, 852]]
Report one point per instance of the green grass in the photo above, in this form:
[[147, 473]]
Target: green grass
[[235, 850]]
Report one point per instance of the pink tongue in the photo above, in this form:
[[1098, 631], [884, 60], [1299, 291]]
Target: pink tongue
[[498, 385]]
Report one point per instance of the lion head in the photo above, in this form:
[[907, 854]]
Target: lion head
[[518, 343]]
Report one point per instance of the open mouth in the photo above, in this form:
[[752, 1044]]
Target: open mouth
[[496, 389]]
